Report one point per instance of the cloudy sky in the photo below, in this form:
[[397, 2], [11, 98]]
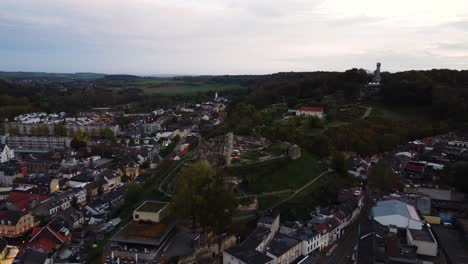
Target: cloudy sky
[[231, 36]]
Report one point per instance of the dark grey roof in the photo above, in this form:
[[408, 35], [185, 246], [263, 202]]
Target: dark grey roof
[[256, 238], [32, 256], [281, 244], [249, 256], [12, 216], [304, 234]]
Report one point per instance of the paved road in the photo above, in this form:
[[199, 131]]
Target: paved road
[[348, 241]]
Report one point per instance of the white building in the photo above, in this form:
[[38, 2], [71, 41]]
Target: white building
[[400, 214], [424, 240], [35, 144], [284, 249], [310, 240], [6, 154], [308, 111]]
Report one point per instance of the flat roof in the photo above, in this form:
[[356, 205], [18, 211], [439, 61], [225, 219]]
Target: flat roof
[[392, 207], [248, 255], [152, 234], [151, 206], [281, 244], [421, 235]]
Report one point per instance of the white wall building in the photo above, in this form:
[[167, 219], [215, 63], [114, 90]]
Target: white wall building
[[6, 154], [424, 240]]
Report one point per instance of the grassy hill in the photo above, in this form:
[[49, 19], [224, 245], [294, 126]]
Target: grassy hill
[[277, 174]]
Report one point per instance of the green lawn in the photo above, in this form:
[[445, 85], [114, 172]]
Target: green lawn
[[322, 193], [278, 174], [274, 149], [251, 155]]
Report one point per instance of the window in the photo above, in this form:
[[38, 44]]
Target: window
[[137, 216]]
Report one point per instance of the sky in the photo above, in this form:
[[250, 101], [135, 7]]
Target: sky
[[231, 36]]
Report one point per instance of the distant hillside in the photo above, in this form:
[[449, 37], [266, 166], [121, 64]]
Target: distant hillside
[[49, 76]]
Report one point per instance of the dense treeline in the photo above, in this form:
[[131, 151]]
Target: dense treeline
[[18, 97], [443, 92]]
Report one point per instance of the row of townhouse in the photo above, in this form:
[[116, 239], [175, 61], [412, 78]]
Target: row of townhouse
[[272, 243]]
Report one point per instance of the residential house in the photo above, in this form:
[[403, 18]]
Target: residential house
[[132, 170], [310, 240], [43, 184], [73, 218], [24, 201], [92, 190], [50, 237], [241, 255], [8, 174], [106, 202], [284, 249], [71, 171], [60, 201], [113, 178], [15, 223]]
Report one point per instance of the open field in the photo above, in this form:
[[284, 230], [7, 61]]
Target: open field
[[190, 89], [278, 174]]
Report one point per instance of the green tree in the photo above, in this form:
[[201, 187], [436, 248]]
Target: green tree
[[43, 130], [313, 122], [107, 133], [340, 164], [77, 143], [202, 197], [132, 193], [456, 175], [167, 150], [13, 131], [176, 139], [60, 129], [81, 134], [146, 164], [381, 176]]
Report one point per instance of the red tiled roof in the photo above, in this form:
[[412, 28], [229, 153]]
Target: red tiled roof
[[416, 167], [39, 234], [339, 216], [45, 243], [183, 152], [321, 228], [22, 200], [311, 109]]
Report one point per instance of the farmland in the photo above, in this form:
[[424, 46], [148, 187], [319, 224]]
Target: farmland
[[166, 86]]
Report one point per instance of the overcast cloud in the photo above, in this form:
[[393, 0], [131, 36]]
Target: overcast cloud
[[231, 36]]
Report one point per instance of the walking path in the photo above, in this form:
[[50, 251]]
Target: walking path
[[367, 113], [301, 189]]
